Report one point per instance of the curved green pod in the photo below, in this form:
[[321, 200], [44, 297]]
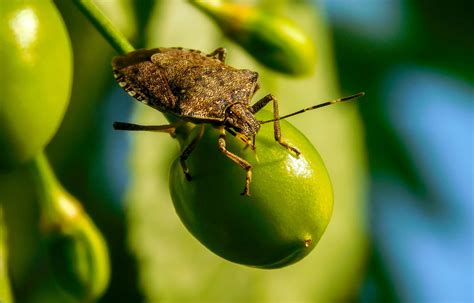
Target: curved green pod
[[79, 260], [77, 251], [275, 41]]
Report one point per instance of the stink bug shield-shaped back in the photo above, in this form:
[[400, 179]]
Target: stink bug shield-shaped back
[[199, 88]]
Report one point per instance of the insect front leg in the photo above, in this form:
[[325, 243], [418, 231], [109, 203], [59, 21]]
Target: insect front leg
[[244, 164], [261, 103], [243, 138], [276, 124], [219, 53], [188, 150]]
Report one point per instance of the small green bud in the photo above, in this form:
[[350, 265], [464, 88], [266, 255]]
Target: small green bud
[[79, 259], [273, 40], [286, 214], [76, 249]]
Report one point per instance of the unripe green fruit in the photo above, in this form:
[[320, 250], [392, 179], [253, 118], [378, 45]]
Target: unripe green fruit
[[273, 40], [281, 222], [35, 77]]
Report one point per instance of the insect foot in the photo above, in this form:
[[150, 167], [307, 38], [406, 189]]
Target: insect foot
[[287, 212], [290, 148]]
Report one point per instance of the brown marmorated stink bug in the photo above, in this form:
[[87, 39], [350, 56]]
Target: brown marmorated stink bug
[[199, 88]]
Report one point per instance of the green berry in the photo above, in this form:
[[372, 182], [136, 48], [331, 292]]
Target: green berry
[[281, 222], [35, 78]]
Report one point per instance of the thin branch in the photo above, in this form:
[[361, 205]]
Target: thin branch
[[103, 24]]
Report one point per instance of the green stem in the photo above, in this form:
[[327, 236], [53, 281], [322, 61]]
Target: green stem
[[103, 24], [48, 188], [44, 174], [5, 292]]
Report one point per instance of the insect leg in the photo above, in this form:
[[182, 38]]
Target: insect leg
[[169, 128], [243, 138], [244, 164], [219, 53], [276, 123], [277, 129], [188, 150], [261, 103]]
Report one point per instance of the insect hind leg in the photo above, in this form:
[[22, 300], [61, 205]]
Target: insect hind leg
[[168, 128]]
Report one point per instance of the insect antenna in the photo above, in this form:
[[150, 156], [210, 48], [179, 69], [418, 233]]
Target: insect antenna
[[316, 106]]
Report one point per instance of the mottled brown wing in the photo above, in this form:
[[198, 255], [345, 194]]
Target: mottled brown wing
[[174, 61], [143, 80], [205, 92]]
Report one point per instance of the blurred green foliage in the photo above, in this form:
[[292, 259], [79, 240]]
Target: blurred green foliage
[[433, 35]]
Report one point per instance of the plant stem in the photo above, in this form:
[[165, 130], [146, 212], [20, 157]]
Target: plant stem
[[103, 24], [5, 292], [58, 207], [47, 187]]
